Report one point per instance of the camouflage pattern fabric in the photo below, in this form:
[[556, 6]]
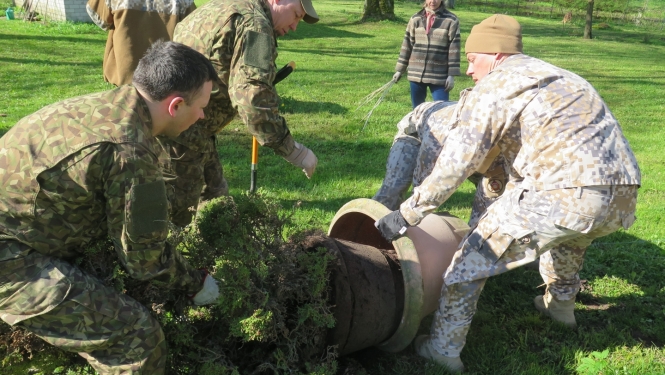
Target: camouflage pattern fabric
[[237, 37], [573, 178], [196, 175], [551, 126], [420, 137], [521, 226], [70, 173], [119, 335]]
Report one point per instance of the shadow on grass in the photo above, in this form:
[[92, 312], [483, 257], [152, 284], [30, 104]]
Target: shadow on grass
[[48, 62], [306, 31], [46, 39], [291, 105]]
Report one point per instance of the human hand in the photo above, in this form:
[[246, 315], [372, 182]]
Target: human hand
[[304, 158], [450, 83], [397, 76], [392, 226], [209, 293]]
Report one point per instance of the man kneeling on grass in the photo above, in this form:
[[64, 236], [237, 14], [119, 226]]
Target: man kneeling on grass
[[573, 179], [89, 167]]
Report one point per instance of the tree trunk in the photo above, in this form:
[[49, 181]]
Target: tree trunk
[[379, 9], [589, 20]]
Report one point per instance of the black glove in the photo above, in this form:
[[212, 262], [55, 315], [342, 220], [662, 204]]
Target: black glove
[[392, 225]]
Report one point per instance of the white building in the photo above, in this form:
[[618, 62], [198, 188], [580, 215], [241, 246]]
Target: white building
[[58, 10]]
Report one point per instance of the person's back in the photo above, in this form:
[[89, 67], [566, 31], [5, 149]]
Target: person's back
[[559, 131], [133, 26]]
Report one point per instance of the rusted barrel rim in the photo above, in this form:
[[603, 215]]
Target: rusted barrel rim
[[411, 273]]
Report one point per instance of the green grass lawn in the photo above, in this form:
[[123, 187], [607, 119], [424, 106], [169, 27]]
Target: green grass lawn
[[621, 309]]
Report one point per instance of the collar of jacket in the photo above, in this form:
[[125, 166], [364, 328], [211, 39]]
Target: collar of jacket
[[439, 12]]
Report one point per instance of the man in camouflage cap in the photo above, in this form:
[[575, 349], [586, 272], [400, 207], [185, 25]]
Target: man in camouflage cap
[[91, 167], [239, 38], [420, 136], [573, 178]]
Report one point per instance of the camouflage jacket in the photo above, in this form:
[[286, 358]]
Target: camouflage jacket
[[551, 126], [86, 167], [238, 38], [133, 26]]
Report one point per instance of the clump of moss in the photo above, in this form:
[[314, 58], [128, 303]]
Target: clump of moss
[[272, 315]]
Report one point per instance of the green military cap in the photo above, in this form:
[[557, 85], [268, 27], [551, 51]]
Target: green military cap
[[310, 13]]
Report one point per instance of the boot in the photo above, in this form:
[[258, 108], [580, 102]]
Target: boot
[[560, 311], [423, 346], [399, 173]]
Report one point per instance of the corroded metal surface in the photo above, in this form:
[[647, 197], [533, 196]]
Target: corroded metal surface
[[424, 254], [355, 222]]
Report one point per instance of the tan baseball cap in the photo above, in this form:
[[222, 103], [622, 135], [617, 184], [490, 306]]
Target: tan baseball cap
[[310, 13]]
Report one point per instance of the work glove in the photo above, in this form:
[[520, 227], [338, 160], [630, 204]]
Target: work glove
[[209, 293], [397, 76], [304, 158], [450, 83], [392, 226]]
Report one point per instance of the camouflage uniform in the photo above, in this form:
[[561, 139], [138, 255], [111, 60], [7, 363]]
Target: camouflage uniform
[[70, 173], [420, 137], [237, 37], [573, 178]]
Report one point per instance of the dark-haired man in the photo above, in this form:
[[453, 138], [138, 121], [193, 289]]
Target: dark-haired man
[[239, 38], [86, 168], [573, 178]]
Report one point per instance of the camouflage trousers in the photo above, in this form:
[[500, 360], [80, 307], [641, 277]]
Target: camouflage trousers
[[76, 312], [521, 226], [413, 155], [198, 176]]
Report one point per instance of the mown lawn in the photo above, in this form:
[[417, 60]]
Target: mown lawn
[[621, 309]]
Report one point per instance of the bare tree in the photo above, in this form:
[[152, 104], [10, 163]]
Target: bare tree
[[379, 9], [589, 20]]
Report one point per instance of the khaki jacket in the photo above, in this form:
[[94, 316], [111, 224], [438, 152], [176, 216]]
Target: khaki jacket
[[133, 26], [551, 125]]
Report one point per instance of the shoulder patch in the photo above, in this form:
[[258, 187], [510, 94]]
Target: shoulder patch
[[149, 209], [258, 50]]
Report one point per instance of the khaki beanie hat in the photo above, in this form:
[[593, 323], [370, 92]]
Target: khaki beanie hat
[[496, 34]]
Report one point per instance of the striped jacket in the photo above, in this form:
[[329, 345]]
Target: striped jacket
[[431, 58]]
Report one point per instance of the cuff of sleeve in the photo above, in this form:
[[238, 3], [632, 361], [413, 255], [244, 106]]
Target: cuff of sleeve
[[400, 68], [287, 146], [411, 216], [454, 72]]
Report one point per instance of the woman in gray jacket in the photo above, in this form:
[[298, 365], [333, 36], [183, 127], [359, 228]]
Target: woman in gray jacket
[[431, 52]]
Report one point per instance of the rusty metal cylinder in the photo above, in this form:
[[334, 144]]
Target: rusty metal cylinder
[[423, 255]]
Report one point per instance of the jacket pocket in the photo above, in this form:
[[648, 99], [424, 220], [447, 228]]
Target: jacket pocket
[[502, 238], [572, 220]]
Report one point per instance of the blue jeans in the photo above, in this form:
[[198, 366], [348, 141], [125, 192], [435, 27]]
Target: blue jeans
[[419, 92]]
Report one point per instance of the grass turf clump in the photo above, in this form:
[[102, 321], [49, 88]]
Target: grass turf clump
[[272, 315]]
